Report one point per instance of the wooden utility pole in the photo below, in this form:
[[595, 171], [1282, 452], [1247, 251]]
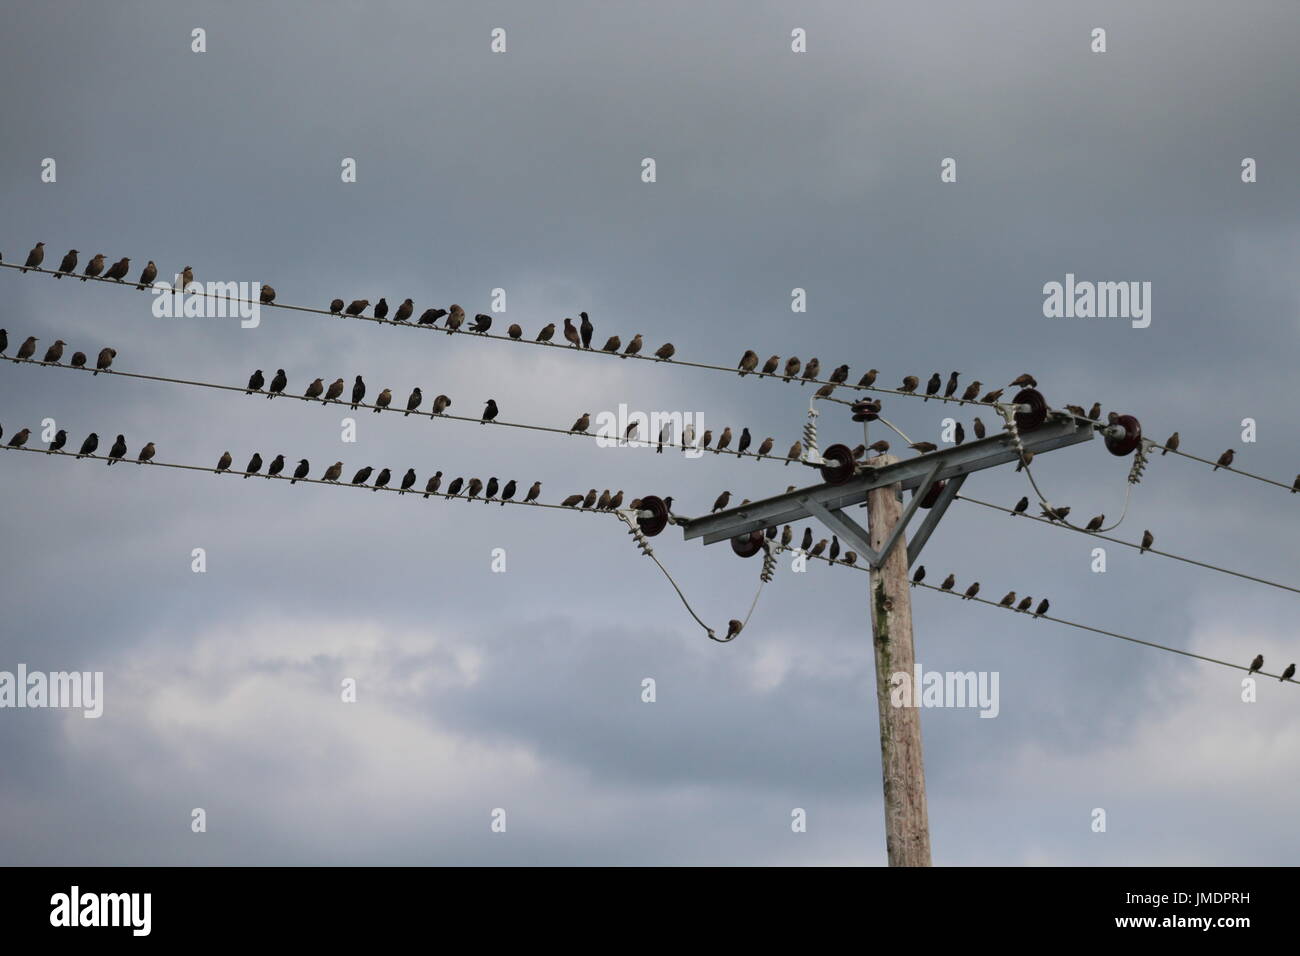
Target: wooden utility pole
[[907, 820]]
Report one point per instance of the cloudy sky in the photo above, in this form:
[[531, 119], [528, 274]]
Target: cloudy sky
[[775, 170]]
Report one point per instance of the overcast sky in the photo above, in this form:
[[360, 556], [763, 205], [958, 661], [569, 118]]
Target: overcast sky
[[522, 171]]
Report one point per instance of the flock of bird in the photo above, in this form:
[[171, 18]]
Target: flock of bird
[[54, 354], [1008, 601], [1258, 663]]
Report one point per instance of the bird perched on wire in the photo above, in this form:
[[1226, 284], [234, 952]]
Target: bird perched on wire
[[923, 447], [1171, 444], [1020, 507], [910, 383], [825, 391], [315, 389], [383, 400], [55, 351], [482, 322], [1148, 539], [408, 480], [455, 319], [516, 331], [381, 479], [187, 277], [118, 270], [93, 268], [633, 347], [919, 576], [147, 275], [1025, 459], [612, 344], [835, 548], [336, 306], [430, 316], [1043, 605], [362, 475], [148, 451], [4, 341], [431, 486], [748, 362], [764, 448], [267, 295], [1225, 460], [87, 447], [787, 534], [1296, 485], [792, 366], [1025, 604], [1076, 410], [1055, 514], [69, 263], [104, 360], [868, 378], [358, 391], [721, 503], [253, 467], [665, 352], [571, 333], [665, 435], [333, 472], [357, 306], [971, 591], [440, 404], [807, 539], [586, 330], [745, 440], [958, 434], [879, 447], [35, 257], [1023, 381], [590, 499], [20, 438], [1288, 673], [991, 397], [932, 386], [840, 375], [1094, 524], [582, 424], [381, 308], [547, 332], [533, 492], [572, 501], [413, 402], [707, 439], [1256, 664], [1095, 412], [770, 366], [811, 371], [255, 382], [724, 440], [1008, 600], [277, 384], [277, 466], [78, 360], [507, 492], [404, 311], [60, 439], [489, 411], [28, 348], [223, 463], [602, 503], [972, 390], [453, 489], [118, 450], [948, 582]]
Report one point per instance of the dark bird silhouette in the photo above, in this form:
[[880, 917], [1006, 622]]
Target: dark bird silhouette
[[187, 276], [1295, 485], [879, 447], [267, 295], [818, 548], [334, 391], [150, 272], [770, 366], [94, 267], [490, 491], [1021, 505], [253, 467], [748, 362], [4, 341], [413, 402], [587, 330], [516, 331], [533, 492], [362, 476], [35, 257], [1095, 412], [55, 351], [633, 347], [795, 452], [277, 466], [924, 447], [765, 448], [745, 440], [787, 535], [118, 450], [1256, 664], [948, 582], [1288, 673], [721, 503], [583, 423], [869, 378], [277, 384], [255, 382], [571, 501], [440, 404], [1043, 605], [979, 428], [548, 331], [381, 308], [105, 359], [336, 306], [807, 539], [971, 591], [990, 397], [1225, 460], [223, 462], [665, 352], [724, 440], [811, 371], [60, 439], [28, 348], [117, 271], [358, 391], [300, 471], [381, 479], [932, 386], [792, 366], [482, 322], [1148, 539], [1094, 524], [147, 453], [315, 389], [383, 400], [333, 472], [431, 486], [1025, 604], [835, 547], [1008, 600], [455, 318], [972, 391], [69, 263], [489, 411], [1025, 459], [602, 503], [453, 489], [919, 576], [404, 311], [909, 384], [408, 480], [825, 391], [958, 434], [357, 306], [571, 333], [78, 360], [1023, 381], [19, 439], [431, 316], [850, 557], [507, 492], [590, 500], [840, 375], [1171, 444], [707, 439]]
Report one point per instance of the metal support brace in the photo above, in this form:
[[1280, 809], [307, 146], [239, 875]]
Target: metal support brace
[[846, 528], [932, 519]]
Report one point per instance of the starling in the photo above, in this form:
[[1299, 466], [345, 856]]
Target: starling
[[489, 411], [587, 330], [665, 352], [254, 463], [490, 491], [629, 433], [267, 295], [515, 331], [909, 384], [453, 489], [1025, 603], [277, 466], [825, 391], [733, 628], [55, 351], [1025, 459], [255, 382], [770, 365], [336, 306], [765, 447], [69, 263], [118, 450], [315, 389], [633, 347], [707, 439], [979, 428], [840, 375], [932, 386], [818, 548], [787, 534], [1295, 486], [383, 400], [93, 268], [35, 257], [948, 582], [381, 308], [1148, 539], [1021, 505], [28, 348], [958, 434], [972, 391], [404, 311], [879, 447], [1023, 381], [745, 441], [431, 486], [1171, 444], [187, 276], [1095, 412], [533, 492], [850, 557], [60, 439], [507, 492], [571, 333], [1055, 514], [78, 360], [868, 379], [358, 306], [1076, 410], [971, 591], [408, 480], [381, 479], [590, 500], [333, 472], [413, 402], [431, 316], [991, 397], [807, 539], [1094, 524], [1288, 673], [223, 462], [482, 323], [665, 434], [4, 340], [1256, 664], [721, 502], [362, 476], [919, 576], [118, 270], [546, 333], [723, 440], [277, 384], [105, 359], [1008, 600], [1043, 605], [835, 548], [792, 366], [440, 404], [748, 362], [358, 391], [602, 503], [150, 272], [571, 501], [923, 447], [811, 370], [20, 438], [582, 424], [1224, 460]]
